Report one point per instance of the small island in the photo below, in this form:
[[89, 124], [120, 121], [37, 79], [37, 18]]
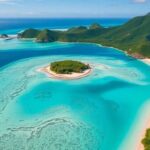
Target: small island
[[67, 70], [3, 36]]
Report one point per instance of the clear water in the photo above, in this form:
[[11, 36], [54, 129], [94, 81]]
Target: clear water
[[92, 113], [11, 26]]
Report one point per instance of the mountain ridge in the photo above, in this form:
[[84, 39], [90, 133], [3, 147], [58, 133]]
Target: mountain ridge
[[132, 37]]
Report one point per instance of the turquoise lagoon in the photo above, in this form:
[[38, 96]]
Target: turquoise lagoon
[[93, 113]]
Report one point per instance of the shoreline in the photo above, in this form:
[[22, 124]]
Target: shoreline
[[142, 131], [145, 60], [146, 113], [136, 56], [138, 130], [46, 70]]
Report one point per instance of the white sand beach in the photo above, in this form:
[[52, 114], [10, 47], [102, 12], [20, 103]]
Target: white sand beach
[[145, 124], [138, 130], [146, 60]]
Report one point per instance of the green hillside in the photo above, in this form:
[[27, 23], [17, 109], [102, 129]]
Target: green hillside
[[29, 33], [132, 37], [47, 36]]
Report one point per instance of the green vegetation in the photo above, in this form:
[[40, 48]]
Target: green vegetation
[[77, 30], [95, 26], [68, 66], [146, 140], [29, 33], [46, 36], [132, 37]]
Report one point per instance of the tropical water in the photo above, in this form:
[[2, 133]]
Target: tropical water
[[91, 113], [11, 26]]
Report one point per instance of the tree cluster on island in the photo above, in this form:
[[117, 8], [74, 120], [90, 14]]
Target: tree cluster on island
[[68, 67], [132, 37]]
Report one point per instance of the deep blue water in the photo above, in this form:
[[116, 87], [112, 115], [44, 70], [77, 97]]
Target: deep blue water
[[11, 26], [8, 56]]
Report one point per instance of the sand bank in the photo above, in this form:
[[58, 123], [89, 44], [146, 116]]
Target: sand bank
[[146, 60], [138, 130]]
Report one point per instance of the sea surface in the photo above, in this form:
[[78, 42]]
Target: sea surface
[[11, 26], [92, 113]]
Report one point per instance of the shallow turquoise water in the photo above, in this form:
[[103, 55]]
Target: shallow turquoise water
[[94, 112]]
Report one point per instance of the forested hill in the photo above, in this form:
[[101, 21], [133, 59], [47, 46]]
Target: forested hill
[[132, 37]]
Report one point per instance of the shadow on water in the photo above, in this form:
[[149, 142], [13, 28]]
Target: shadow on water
[[107, 87]]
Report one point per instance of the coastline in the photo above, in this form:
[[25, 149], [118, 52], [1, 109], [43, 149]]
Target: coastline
[[46, 70], [134, 55], [138, 130], [145, 60], [146, 124], [146, 114]]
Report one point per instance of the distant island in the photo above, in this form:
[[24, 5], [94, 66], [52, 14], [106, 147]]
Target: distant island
[[3, 36], [67, 69], [133, 37]]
